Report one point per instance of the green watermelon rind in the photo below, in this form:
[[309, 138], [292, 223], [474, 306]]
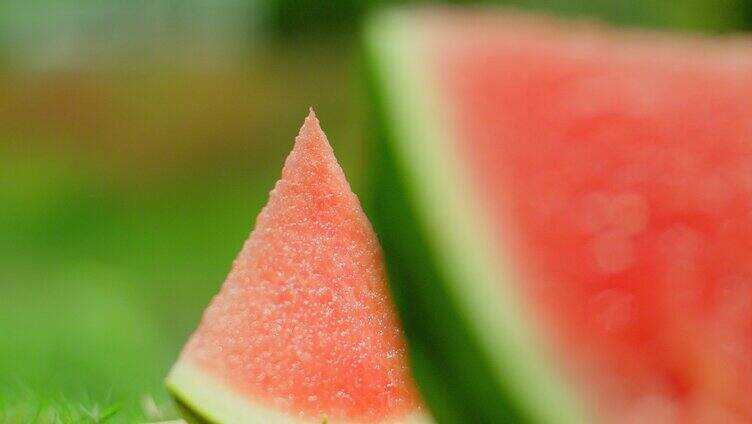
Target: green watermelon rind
[[189, 414], [473, 356], [203, 399]]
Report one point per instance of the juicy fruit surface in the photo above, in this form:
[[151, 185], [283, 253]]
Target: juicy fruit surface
[[622, 167], [304, 323]]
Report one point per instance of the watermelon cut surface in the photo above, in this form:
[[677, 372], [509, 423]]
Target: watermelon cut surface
[[303, 328], [579, 200]]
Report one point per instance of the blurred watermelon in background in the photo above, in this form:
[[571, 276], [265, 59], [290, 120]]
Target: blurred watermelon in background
[[562, 203], [138, 140]]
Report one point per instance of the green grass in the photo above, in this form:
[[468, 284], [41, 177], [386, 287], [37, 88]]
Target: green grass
[[28, 407]]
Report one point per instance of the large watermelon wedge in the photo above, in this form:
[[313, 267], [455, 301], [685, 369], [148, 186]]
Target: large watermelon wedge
[[303, 329], [566, 211]]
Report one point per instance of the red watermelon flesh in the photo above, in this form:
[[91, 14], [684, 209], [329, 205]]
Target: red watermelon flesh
[[622, 165], [303, 327]]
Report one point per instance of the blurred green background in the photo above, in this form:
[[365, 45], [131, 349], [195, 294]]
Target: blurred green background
[[138, 141]]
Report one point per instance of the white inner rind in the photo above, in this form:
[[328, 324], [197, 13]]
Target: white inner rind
[[209, 397], [437, 188]]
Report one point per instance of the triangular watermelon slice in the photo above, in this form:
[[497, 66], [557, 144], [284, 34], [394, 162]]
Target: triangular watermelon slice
[[566, 211], [303, 329]]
